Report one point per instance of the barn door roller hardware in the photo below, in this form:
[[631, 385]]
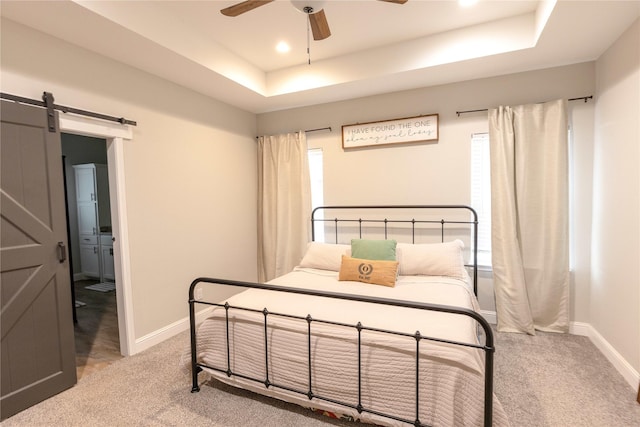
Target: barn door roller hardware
[[47, 97], [48, 103]]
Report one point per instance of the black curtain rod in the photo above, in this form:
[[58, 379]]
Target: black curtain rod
[[585, 98], [318, 129], [47, 102], [313, 130]]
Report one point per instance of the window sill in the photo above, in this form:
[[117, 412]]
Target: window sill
[[485, 268], [481, 267]]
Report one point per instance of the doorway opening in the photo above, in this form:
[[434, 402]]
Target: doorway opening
[[91, 252], [115, 135]]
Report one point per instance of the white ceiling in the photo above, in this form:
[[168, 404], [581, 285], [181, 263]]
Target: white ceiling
[[375, 46]]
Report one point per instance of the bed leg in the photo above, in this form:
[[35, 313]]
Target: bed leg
[[195, 369], [194, 377], [488, 380]]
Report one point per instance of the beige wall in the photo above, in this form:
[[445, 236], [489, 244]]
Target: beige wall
[[439, 173], [189, 171], [615, 275]]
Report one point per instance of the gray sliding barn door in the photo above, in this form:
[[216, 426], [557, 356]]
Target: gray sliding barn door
[[38, 348]]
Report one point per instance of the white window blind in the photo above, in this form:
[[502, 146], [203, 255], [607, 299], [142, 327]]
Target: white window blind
[[481, 194]]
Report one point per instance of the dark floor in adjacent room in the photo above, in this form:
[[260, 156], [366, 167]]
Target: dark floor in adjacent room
[[96, 330]]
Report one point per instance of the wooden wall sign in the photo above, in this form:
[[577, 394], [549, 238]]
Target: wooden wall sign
[[388, 132]]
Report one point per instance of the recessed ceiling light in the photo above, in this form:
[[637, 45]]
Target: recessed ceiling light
[[283, 47], [467, 3]]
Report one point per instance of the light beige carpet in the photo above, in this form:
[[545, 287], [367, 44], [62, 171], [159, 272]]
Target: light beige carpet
[[547, 380]]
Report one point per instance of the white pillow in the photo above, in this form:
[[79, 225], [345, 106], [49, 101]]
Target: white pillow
[[324, 256], [432, 259]]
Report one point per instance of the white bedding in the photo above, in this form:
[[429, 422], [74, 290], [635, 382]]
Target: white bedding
[[451, 377]]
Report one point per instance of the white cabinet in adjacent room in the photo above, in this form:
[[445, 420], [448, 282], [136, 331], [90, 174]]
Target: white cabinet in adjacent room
[[89, 259], [94, 221], [86, 182], [106, 248], [87, 220]]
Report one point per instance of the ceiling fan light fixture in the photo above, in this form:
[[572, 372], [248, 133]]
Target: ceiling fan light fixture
[[308, 7]]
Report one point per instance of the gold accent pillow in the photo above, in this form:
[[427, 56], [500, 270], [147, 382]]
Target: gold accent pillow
[[369, 271]]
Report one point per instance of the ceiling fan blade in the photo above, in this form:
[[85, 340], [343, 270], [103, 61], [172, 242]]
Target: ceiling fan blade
[[396, 1], [319, 25], [245, 6]]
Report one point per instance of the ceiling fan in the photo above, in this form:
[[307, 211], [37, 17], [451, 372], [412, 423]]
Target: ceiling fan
[[317, 18]]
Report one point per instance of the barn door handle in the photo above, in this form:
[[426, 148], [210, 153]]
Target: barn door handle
[[62, 253]]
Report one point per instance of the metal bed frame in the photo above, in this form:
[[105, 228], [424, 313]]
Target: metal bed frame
[[487, 347]]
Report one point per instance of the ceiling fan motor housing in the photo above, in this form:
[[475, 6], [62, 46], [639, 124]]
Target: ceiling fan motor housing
[[308, 6]]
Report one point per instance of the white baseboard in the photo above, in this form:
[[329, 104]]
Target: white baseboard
[[489, 316], [580, 328], [622, 366], [585, 329], [156, 337]]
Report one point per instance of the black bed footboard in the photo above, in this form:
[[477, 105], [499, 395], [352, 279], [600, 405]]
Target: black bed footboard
[[487, 347]]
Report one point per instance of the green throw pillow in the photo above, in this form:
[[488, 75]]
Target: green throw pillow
[[374, 249]]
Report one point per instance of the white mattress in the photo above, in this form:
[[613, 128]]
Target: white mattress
[[451, 377]]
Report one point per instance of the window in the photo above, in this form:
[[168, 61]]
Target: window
[[481, 194], [315, 173], [317, 187]]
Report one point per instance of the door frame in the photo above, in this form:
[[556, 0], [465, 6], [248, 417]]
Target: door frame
[[115, 134]]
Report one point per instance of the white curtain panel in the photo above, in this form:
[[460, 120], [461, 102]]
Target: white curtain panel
[[284, 203], [530, 208]]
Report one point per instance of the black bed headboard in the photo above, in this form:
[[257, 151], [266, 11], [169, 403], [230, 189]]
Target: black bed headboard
[[411, 223]]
